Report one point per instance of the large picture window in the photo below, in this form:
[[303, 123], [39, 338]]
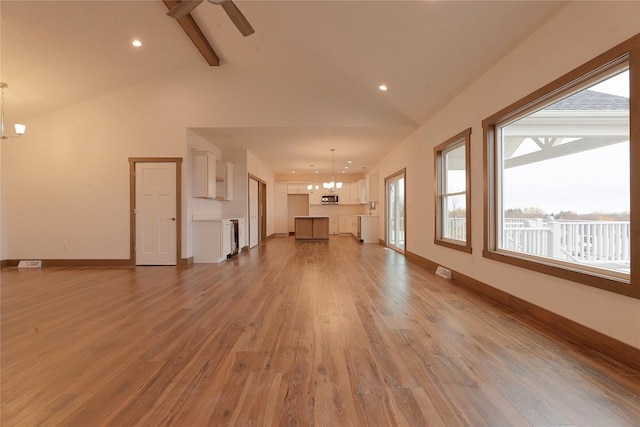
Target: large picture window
[[560, 177], [453, 207]]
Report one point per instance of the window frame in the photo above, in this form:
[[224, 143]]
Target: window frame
[[628, 51], [439, 153]]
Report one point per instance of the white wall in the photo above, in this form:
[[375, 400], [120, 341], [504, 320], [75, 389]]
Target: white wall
[[580, 32], [69, 177], [2, 239], [67, 180]]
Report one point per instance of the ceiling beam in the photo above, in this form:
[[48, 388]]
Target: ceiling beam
[[190, 27]]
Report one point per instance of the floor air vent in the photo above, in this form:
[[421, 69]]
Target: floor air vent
[[30, 264], [443, 272]]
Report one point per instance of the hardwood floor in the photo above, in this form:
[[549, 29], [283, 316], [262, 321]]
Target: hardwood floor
[[296, 333]]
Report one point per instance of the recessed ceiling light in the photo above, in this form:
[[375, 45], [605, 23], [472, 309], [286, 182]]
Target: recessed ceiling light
[[349, 161], [315, 171], [383, 87], [136, 43], [293, 171], [346, 167]]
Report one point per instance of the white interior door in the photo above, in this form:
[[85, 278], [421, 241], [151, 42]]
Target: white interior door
[[156, 213], [253, 213]]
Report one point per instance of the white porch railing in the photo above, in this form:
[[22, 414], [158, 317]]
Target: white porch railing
[[585, 242], [456, 229]]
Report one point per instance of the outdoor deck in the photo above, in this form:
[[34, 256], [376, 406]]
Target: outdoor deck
[[603, 244]]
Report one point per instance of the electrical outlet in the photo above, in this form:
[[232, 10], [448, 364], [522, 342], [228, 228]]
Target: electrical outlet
[[443, 272]]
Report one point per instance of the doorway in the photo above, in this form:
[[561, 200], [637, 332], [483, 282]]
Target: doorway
[[155, 212], [297, 205], [257, 211], [395, 193]]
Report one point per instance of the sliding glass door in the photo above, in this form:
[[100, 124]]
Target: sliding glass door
[[395, 203]]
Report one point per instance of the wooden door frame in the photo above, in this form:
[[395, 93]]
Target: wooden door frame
[[402, 172], [262, 195], [262, 212], [132, 204]]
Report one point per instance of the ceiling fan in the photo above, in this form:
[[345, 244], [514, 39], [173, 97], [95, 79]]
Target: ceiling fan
[[184, 7]]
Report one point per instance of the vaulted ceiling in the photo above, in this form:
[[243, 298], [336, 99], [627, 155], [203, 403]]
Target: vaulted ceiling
[[57, 53]]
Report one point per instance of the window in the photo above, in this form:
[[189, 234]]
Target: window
[[562, 176], [453, 197]]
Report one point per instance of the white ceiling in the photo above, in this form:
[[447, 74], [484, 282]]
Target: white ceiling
[[56, 53]]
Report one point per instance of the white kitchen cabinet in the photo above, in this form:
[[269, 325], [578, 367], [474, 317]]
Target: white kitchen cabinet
[[361, 188], [226, 237], [204, 174], [315, 198], [297, 189], [242, 233], [224, 179], [372, 188], [344, 194], [211, 241], [366, 228], [344, 224], [348, 193]]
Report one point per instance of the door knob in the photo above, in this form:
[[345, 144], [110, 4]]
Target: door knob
[[172, 219]]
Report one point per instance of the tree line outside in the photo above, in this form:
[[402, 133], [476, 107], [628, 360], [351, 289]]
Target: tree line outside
[[535, 212]]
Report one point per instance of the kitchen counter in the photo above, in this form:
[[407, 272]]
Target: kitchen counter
[[312, 227]]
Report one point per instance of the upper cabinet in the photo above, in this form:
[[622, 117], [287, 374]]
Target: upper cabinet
[[204, 174], [352, 193], [297, 189], [315, 198], [361, 191], [225, 180], [347, 193], [211, 179], [372, 188]]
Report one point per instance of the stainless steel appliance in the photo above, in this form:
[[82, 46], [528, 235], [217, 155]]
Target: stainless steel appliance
[[329, 199], [235, 234]]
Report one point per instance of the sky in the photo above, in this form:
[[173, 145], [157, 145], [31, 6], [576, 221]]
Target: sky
[[593, 181]]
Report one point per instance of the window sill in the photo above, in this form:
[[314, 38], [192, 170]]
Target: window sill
[[597, 280]]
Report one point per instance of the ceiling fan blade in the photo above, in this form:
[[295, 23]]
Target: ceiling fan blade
[[183, 8], [238, 18]]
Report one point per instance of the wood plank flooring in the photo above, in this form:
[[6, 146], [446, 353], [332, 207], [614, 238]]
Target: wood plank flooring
[[291, 333]]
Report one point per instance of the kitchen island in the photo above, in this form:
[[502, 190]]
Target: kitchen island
[[312, 227]]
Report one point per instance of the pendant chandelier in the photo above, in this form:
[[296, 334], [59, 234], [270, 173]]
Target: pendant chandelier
[[19, 128], [332, 186]]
